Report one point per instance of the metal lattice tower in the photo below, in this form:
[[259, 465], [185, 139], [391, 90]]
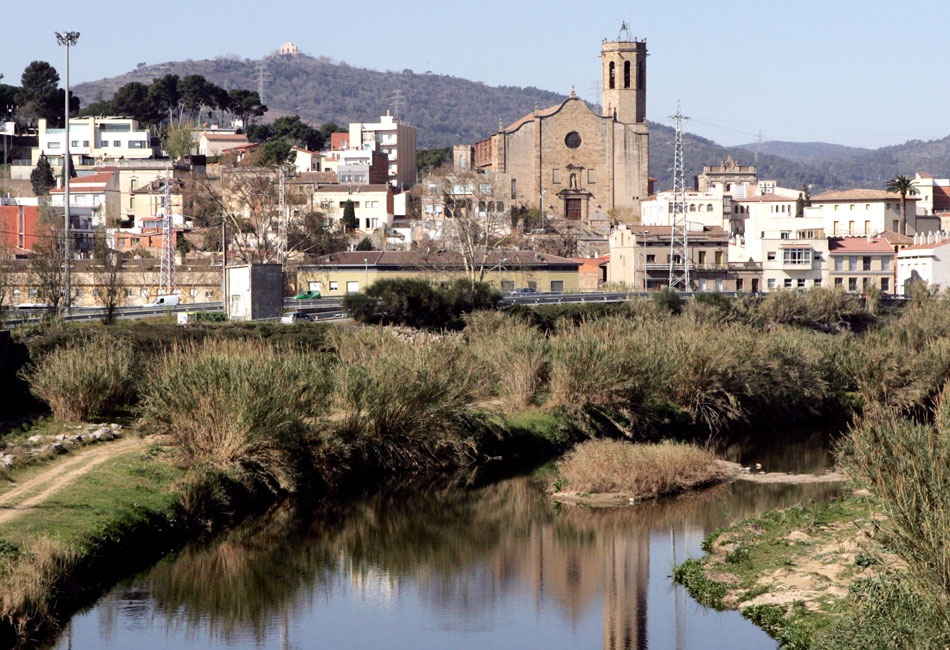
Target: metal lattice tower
[[282, 216], [167, 281], [679, 239]]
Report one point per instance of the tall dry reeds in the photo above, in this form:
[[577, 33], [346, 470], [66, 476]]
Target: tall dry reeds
[[907, 464], [83, 380], [29, 576], [514, 353], [237, 404], [405, 404], [640, 470]]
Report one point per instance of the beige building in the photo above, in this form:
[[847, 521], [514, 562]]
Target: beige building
[[640, 259], [353, 271], [856, 263], [373, 204], [572, 163]]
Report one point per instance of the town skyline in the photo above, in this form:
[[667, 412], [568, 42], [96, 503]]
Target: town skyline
[[821, 73]]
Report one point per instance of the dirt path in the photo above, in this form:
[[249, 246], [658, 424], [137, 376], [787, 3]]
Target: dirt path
[[54, 478]]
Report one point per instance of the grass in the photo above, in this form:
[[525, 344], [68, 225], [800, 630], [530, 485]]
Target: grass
[[124, 513], [642, 471]]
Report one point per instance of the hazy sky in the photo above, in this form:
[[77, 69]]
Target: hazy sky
[[856, 72]]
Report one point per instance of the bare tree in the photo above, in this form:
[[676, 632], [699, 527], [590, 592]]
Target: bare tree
[[47, 273], [7, 281], [108, 283], [477, 221]]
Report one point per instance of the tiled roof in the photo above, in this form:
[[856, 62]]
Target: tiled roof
[[859, 195], [88, 183], [925, 246], [765, 198], [859, 245], [895, 238], [441, 258]]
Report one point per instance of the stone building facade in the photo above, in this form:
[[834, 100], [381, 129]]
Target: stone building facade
[[572, 163]]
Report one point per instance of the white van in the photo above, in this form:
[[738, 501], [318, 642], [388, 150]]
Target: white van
[[164, 301]]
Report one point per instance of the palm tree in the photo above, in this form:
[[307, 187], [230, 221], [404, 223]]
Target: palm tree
[[903, 185]]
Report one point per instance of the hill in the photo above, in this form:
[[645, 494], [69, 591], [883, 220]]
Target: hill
[[448, 110]]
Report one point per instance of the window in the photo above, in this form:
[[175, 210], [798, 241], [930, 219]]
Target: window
[[137, 144], [866, 263], [557, 285], [209, 294], [796, 256], [839, 282], [785, 235], [53, 145], [612, 75], [852, 263], [800, 283], [104, 144], [702, 258], [852, 284], [651, 259], [788, 283], [352, 286], [771, 283], [334, 285], [817, 282], [626, 74], [128, 293], [74, 143], [885, 263], [885, 284], [738, 284], [839, 264], [85, 143], [116, 143], [770, 256], [514, 190]]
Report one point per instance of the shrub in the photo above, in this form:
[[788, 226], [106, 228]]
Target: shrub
[[668, 299], [84, 380]]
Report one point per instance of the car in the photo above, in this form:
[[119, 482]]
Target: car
[[294, 317], [523, 291], [307, 295]]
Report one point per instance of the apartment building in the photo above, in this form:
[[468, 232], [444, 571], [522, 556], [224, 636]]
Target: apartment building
[[858, 263], [396, 140], [94, 140]]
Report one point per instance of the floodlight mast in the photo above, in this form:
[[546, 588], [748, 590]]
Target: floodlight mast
[[67, 40]]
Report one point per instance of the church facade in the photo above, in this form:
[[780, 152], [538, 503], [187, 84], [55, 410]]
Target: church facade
[[572, 163]]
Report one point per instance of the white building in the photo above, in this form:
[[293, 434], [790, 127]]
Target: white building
[[702, 208], [92, 140], [394, 139], [373, 204], [927, 260]]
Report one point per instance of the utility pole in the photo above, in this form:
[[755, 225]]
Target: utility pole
[[679, 237]]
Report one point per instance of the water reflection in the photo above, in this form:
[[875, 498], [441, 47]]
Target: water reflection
[[497, 566]]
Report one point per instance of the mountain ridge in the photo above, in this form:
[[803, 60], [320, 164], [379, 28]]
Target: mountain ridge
[[449, 110]]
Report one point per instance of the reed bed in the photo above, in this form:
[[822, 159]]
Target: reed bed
[[28, 578], [514, 353], [402, 404], [84, 380], [237, 404], [642, 471]]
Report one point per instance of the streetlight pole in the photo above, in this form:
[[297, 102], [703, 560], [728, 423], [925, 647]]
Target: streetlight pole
[[66, 39]]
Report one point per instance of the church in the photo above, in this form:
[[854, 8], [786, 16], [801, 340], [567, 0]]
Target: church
[[575, 164]]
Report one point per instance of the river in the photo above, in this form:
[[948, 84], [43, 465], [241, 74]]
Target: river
[[495, 566]]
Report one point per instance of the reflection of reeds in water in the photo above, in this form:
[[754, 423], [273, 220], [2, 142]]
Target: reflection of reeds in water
[[463, 550]]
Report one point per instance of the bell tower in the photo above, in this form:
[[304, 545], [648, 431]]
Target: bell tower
[[625, 78]]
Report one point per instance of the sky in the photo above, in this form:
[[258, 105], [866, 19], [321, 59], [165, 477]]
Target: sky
[[862, 73]]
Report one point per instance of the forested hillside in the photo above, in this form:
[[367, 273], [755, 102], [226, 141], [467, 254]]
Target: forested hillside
[[449, 111]]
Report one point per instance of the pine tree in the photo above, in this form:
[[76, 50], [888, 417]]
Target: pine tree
[[41, 178]]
